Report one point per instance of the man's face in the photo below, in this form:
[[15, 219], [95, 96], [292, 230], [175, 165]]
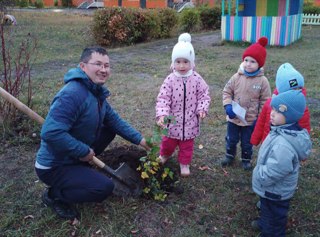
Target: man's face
[[97, 68]]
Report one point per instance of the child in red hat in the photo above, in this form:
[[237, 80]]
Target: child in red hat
[[250, 89]]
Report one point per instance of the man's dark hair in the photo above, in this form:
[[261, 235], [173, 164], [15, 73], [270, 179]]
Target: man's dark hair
[[87, 53]]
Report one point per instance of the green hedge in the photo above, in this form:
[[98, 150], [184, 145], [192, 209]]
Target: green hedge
[[118, 26], [189, 20], [124, 26], [210, 17], [200, 18], [23, 3], [311, 9], [39, 4]]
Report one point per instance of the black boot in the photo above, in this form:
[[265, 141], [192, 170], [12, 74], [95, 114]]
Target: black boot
[[230, 155], [228, 160], [246, 165], [246, 160], [62, 209]]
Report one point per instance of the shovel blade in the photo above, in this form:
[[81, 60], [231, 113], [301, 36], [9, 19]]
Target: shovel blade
[[127, 181]]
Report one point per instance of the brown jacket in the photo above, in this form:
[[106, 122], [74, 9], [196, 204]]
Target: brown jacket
[[250, 92]]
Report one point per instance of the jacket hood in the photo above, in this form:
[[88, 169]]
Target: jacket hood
[[302, 144], [76, 74]]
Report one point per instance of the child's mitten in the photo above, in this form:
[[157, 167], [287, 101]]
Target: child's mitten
[[230, 112]]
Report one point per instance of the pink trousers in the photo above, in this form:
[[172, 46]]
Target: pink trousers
[[168, 146]]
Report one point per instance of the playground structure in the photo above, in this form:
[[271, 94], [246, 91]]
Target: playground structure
[[247, 20]]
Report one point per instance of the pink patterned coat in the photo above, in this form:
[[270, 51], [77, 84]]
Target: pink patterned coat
[[184, 98]]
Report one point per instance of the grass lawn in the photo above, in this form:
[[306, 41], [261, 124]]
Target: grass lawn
[[214, 202]]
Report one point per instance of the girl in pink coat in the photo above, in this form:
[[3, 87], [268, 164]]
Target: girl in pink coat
[[185, 95]]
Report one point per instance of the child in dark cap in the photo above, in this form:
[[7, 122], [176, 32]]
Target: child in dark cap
[[287, 78], [275, 176]]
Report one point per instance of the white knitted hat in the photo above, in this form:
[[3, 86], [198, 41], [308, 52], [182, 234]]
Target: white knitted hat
[[183, 49]]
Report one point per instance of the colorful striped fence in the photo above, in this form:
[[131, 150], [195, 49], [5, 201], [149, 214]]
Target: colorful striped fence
[[280, 30]]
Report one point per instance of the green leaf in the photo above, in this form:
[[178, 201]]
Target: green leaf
[[143, 159]]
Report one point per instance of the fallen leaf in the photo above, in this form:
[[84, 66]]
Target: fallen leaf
[[167, 221], [225, 173], [75, 222], [29, 217], [204, 168]]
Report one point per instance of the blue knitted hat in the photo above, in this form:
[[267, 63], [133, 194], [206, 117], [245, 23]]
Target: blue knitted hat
[[291, 104], [288, 78]]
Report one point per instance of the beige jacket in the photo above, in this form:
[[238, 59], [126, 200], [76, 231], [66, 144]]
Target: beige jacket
[[250, 92]]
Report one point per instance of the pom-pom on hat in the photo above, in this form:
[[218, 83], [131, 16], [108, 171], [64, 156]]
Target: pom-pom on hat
[[291, 104], [183, 49], [257, 51], [288, 78]]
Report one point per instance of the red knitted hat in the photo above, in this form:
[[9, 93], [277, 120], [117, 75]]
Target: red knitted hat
[[257, 51]]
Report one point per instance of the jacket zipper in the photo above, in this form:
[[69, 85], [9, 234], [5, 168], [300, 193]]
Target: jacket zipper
[[184, 106], [99, 121]]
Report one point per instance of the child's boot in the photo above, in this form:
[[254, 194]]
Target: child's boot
[[246, 161], [229, 158], [184, 170], [163, 159]]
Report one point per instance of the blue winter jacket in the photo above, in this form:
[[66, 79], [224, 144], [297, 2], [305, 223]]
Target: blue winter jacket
[[74, 121], [276, 174]]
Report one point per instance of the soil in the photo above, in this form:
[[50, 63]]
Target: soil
[[130, 155], [117, 155]]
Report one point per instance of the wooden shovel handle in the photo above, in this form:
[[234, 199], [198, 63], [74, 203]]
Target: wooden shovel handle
[[33, 115], [98, 162], [20, 106]]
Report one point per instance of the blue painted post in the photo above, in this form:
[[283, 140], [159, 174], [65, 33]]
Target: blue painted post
[[237, 4], [222, 8]]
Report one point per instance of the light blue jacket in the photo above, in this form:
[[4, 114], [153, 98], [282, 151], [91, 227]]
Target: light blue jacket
[[74, 121], [275, 176]]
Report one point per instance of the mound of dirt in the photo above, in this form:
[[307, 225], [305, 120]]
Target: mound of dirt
[[131, 155], [128, 154]]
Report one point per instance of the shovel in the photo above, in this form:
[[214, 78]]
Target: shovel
[[126, 180]]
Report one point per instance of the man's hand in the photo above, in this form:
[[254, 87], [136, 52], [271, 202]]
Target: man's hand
[[143, 143], [230, 112], [89, 157]]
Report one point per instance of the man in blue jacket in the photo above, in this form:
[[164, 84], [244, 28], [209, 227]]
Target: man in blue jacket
[[80, 124]]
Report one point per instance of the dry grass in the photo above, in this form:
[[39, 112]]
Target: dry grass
[[215, 202]]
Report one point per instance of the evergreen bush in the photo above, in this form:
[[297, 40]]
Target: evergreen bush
[[39, 4], [189, 20]]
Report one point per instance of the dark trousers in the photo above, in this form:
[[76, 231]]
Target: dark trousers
[[235, 134], [80, 183], [273, 217]]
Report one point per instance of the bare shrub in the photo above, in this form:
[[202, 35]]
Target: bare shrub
[[15, 71]]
